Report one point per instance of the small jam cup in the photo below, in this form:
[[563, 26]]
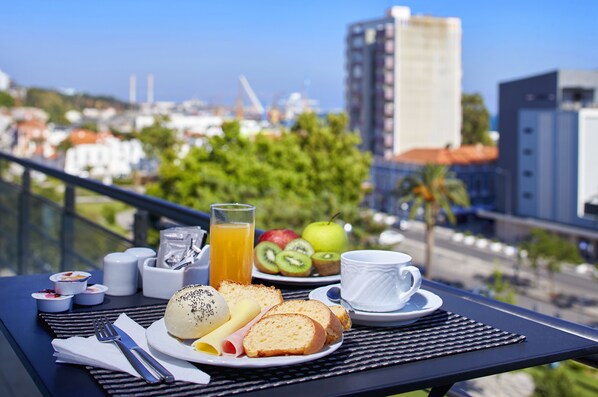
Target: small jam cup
[[51, 302], [70, 283], [93, 295]]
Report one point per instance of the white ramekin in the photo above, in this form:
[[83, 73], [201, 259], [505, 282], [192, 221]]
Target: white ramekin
[[52, 302], [70, 283], [93, 295]]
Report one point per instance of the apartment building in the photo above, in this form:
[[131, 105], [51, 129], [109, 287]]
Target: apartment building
[[548, 168], [403, 82]]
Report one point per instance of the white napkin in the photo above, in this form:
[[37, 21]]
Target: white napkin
[[89, 351]]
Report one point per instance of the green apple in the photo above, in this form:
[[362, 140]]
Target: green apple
[[326, 236]]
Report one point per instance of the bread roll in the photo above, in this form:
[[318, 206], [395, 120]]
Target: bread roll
[[284, 334], [315, 310], [195, 310]]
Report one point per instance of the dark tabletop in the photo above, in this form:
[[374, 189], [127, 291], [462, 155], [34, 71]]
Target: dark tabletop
[[547, 340]]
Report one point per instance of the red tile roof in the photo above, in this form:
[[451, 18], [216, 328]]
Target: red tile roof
[[81, 137], [32, 124], [467, 154]]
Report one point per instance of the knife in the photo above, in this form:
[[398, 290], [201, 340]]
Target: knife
[[151, 361]]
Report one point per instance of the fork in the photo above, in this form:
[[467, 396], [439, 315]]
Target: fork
[[107, 334]]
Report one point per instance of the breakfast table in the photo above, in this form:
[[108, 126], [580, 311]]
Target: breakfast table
[[468, 337]]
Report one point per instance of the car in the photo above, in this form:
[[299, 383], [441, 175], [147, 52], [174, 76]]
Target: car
[[402, 224], [564, 301], [390, 237]]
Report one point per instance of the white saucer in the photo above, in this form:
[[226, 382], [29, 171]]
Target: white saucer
[[421, 304]]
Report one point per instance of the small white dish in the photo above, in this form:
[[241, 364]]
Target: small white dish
[[51, 302], [70, 283], [421, 304], [93, 295], [309, 280], [159, 338], [163, 283]]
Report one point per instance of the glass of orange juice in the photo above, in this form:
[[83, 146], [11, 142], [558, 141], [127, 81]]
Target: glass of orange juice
[[231, 243]]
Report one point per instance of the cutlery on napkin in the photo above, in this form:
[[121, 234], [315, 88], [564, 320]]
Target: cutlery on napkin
[[89, 351]]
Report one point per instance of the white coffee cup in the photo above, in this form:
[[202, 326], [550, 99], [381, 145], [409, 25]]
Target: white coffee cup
[[120, 274], [378, 281]]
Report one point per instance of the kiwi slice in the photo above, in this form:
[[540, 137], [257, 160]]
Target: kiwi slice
[[264, 256], [327, 263], [293, 263], [300, 245]]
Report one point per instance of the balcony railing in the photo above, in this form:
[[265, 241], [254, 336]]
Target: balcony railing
[[38, 235]]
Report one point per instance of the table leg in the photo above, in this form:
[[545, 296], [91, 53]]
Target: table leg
[[440, 391]]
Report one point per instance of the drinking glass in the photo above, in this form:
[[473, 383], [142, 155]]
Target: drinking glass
[[231, 243]]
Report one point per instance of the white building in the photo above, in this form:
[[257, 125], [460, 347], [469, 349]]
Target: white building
[[4, 81], [403, 86], [101, 155], [199, 124]]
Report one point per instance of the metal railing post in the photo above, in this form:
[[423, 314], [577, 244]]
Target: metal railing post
[[23, 242], [67, 231], [140, 227]]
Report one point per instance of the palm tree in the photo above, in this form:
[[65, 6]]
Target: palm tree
[[434, 188]]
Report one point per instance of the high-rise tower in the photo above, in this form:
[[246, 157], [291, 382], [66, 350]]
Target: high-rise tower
[[403, 85], [132, 89], [150, 89]]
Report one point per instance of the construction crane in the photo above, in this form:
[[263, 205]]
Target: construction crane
[[257, 105]]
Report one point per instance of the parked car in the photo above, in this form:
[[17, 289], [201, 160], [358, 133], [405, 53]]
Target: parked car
[[390, 237], [402, 224]]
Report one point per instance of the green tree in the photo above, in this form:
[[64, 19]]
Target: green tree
[[90, 126], [64, 146], [554, 382], [50, 101], [503, 290], [549, 250], [57, 104], [306, 174], [434, 189], [475, 120], [158, 141], [109, 214], [6, 100]]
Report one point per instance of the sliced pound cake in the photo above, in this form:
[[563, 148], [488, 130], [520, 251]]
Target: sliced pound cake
[[343, 316], [234, 292], [284, 334], [315, 310]]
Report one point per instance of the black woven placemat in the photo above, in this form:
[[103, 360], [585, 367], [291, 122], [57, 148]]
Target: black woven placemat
[[438, 334]]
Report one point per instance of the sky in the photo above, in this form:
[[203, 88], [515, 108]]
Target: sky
[[198, 49]]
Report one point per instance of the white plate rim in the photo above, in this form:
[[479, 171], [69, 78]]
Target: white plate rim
[[310, 280], [159, 339], [434, 302]]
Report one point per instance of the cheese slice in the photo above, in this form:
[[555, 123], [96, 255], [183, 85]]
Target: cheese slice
[[240, 314]]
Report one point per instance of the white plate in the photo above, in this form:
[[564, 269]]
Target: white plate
[[161, 340], [309, 280], [421, 304]]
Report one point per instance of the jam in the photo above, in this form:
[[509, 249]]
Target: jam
[[72, 276], [50, 294]]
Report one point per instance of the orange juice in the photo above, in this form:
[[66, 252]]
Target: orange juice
[[231, 252]]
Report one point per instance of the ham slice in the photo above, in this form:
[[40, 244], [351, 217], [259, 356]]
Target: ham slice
[[232, 345]]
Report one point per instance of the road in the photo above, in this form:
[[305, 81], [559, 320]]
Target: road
[[470, 267]]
